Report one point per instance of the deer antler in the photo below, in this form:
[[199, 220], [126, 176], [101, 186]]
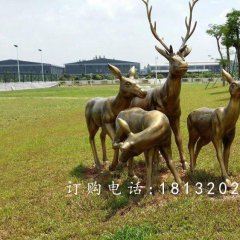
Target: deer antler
[[188, 23], [154, 27]]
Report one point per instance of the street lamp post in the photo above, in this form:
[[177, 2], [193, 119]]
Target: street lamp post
[[40, 50], [19, 78], [156, 58]]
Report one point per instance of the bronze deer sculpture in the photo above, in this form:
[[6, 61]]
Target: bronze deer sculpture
[[139, 131], [166, 99], [102, 112], [217, 126]]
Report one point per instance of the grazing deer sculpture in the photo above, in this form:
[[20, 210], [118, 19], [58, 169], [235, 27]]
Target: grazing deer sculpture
[[139, 131], [166, 99], [102, 112], [217, 126]]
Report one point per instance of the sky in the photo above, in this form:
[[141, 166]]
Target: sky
[[72, 30]]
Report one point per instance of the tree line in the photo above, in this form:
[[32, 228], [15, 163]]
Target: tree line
[[227, 36]]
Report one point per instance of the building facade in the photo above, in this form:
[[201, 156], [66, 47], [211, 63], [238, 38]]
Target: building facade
[[193, 67], [98, 66], [11, 67]]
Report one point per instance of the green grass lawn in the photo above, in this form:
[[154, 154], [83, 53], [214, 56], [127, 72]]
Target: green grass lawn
[[44, 145]]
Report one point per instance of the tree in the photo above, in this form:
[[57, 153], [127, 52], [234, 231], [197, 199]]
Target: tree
[[217, 31], [97, 77], [233, 25], [227, 42]]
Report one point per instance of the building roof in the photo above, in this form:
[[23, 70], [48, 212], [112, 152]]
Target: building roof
[[101, 61]]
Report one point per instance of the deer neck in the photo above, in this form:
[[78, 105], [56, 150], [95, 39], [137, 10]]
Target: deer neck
[[120, 103], [173, 86], [232, 112]]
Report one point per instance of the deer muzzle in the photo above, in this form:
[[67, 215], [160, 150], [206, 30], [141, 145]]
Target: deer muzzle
[[142, 93], [116, 145]]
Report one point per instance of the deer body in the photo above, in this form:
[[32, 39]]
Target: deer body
[[102, 112], [217, 126], [166, 99], [139, 131], [163, 99]]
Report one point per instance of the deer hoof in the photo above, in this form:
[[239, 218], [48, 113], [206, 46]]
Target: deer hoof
[[192, 169], [149, 192], [112, 168], [134, 178], [228, 183], [123, 164], [105, 164], [184, 165], [98, 168]]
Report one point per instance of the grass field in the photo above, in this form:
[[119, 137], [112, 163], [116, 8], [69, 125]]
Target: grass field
[[44, 145]]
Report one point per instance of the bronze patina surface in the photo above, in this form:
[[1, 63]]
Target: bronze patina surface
[[102, 112], [217, 126], [166, 99], [139, 131]]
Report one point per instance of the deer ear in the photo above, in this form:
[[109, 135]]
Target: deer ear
[[115, 71], [163, 53], [124, 126], [132, 72], [227, 76]]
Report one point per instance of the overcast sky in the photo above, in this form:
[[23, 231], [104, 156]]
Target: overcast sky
[[72, 30]]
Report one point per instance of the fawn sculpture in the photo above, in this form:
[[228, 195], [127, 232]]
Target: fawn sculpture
[[139, 131], [217, 126], [166, 99], [102, 112]]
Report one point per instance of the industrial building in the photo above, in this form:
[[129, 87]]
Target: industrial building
[[9, 70], [99, 65], [193, 67]]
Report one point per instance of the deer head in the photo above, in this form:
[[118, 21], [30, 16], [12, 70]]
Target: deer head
[[128, 86], [126, 141], [234, 87], [177, 62]]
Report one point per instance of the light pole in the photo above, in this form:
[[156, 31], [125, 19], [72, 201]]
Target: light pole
[[156, 58], [19, 78], [40, 50]]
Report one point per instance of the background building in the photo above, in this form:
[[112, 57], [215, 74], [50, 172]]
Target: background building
[[29, 71], [193, 67], [99, 65]]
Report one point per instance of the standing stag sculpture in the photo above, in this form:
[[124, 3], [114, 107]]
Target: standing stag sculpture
[[166, 99], [217, 126], [139, 131], [102, 112]]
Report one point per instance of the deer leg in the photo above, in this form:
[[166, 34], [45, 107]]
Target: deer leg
[[167, 154], [130, 167], [227, 142], [156, 162], [131, 172], [193, 137], [110, 130], [92, 128], [201, 142], [159, 157], [149, 155], [218, 146], [103, 142], [156, 166], [226, 153], [175, 125], [115, 160]]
